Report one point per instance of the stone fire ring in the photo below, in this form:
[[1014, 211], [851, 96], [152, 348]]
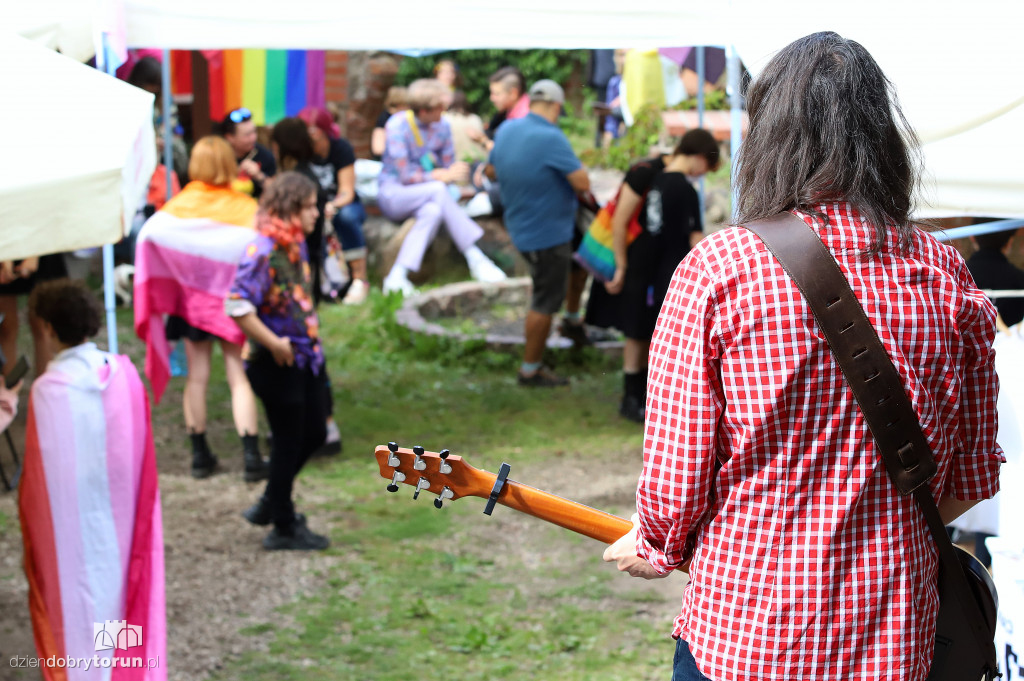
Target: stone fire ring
[[468, 298]]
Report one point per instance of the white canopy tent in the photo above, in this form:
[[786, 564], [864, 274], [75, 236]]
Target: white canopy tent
[[80, 151]]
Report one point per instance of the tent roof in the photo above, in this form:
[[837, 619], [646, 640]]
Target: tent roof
[[80, 148], [462, 24]]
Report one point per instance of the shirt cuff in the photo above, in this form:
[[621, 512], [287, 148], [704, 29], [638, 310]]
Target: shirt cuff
[[238, 307], [978, 479], [657, 558]]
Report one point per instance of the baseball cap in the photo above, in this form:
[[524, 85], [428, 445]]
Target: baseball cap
[[547, 91]]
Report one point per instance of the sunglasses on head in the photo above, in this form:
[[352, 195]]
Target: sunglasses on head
[[240, 115]]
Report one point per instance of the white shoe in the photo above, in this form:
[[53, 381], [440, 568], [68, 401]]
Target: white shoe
[[400, 283], [486, 271], [357, 292], [479, 205]]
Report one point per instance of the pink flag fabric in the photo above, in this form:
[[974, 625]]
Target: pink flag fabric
[[90, 516], [185, 261]]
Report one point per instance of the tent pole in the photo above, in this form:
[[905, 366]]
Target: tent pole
[[736, 127], [165, 94], [700, 123], [107, 65]]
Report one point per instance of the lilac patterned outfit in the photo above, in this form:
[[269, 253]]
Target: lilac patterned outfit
[[274, 282], [406, 189]]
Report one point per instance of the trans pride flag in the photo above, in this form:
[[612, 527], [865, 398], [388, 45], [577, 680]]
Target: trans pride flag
[[185, 261], [90, 519]]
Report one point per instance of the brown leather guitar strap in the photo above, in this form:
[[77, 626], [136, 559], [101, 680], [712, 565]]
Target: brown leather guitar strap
[[872, 376]]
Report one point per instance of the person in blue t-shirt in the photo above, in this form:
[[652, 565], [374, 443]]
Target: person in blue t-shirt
[[540, 177]]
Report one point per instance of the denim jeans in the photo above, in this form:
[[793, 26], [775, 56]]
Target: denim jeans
[[684, 667], [348, 226]]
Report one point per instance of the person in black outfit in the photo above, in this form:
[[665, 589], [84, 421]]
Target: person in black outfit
[[271, 301], [255, 162], [294, 149], [659, 192], [992, 270]]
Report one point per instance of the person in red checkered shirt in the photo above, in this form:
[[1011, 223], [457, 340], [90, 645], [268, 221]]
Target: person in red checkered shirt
[[760, 474]]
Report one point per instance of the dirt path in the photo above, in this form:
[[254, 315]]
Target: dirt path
[[219, 581]]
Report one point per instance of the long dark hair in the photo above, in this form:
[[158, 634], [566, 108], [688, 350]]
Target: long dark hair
[[825, 125], [294, 145]]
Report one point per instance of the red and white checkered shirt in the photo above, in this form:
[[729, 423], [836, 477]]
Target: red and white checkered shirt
[[809, 565]]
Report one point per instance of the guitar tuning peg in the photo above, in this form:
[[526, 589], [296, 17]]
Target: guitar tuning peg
[[395, 479], [393, 459], [421, 484], [445, 494], [417, 450], [420, 463], [445, 467], [444, 453]]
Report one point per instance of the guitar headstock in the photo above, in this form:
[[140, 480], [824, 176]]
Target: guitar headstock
[[446, 475]]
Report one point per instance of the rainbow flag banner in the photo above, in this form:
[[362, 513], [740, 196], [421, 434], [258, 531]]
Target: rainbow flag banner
[[186, 256], [270, 83], [89, 505]]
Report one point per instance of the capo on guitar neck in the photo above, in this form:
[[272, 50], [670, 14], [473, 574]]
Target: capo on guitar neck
[[499, 484]]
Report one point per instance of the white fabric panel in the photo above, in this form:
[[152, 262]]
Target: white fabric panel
[[64, 25], [80, 151], [956, 70], [1008, 504], [398, 24]]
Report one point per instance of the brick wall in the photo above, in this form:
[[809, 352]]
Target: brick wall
[[355, 86]]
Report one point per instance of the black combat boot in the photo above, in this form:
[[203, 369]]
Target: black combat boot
[[204, 463], [256, 467]]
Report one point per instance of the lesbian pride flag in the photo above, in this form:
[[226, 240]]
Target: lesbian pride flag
[[185, 261], [90, 520]]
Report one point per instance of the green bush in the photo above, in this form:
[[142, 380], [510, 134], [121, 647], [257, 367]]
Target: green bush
[[633, 146], [476, 66]]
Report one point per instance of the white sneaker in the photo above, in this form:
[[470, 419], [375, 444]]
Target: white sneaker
[[357, 292], [400, 283], [486, 271]]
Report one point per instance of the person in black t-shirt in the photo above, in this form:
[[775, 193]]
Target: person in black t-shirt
[[255, 162], [992, 270], [669, 212], [333, 163]]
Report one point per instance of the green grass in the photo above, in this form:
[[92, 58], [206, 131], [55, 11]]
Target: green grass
[[411, 599]]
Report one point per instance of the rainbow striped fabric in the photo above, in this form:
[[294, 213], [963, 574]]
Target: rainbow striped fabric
[[596, 250], [89, 504], [186, 256], [270, 83]]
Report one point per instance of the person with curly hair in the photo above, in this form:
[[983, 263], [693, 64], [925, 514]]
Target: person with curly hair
[[271, 300], [89, 498]]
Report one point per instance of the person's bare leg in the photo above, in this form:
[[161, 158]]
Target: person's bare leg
[[538, 326], [357, 269], [634, 356], [198, 354], [9, 332], [577, 285], [243, 400]]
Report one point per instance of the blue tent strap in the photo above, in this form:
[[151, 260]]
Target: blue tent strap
[[975, 230]]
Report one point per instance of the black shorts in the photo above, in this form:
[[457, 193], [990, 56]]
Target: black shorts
[[177, 328], [50, 267], [549, 269]]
